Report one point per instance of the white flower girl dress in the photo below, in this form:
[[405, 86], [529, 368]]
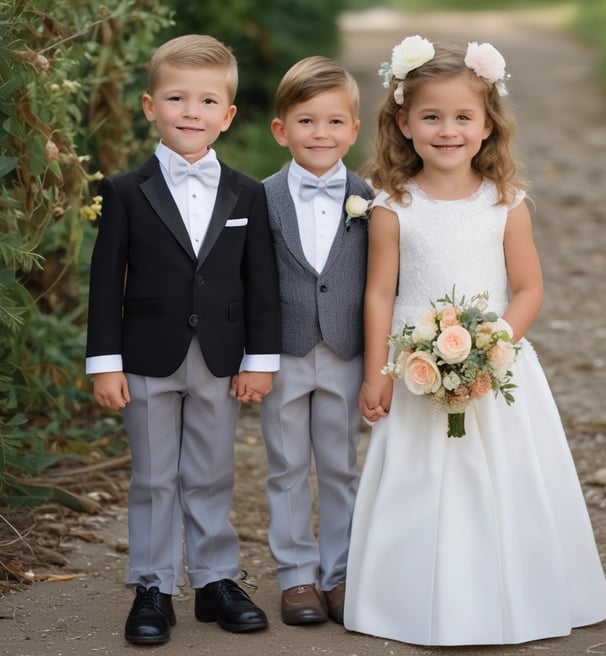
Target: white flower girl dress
[[483, 539]]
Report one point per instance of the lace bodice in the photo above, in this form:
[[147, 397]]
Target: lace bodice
[[446, 243]]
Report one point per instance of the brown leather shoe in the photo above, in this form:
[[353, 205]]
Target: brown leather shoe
[[303, 604], [335, 601]]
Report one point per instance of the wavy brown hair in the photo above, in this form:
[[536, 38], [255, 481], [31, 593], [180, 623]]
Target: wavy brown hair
[[395, 160]]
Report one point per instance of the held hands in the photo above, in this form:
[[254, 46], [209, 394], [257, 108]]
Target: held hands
[[111, 389], [375, 399], [251, 386]]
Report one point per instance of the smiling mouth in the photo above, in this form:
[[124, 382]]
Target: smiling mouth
[[448, 147]]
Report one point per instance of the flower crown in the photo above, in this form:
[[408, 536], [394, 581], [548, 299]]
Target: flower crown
[[414, 51]]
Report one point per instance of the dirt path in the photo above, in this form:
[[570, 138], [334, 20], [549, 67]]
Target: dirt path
[[562, 140]]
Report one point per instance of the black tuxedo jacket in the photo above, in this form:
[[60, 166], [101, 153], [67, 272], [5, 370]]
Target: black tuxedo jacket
[[150, 294]]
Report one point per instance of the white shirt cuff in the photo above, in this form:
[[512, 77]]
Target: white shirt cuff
[[101, 364], [264, 362]]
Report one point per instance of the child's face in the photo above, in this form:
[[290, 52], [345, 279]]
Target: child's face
[[319, 131], [446, 122], [191, 107]]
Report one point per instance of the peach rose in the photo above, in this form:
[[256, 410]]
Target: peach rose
[[448, 317], [502, 355], [480, 386], [422, 375], [454, 344]]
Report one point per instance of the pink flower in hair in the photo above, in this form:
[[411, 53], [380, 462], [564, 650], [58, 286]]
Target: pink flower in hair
[[488, 63]]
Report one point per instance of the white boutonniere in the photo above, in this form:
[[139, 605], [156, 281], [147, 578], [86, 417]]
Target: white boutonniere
[[356, 207]]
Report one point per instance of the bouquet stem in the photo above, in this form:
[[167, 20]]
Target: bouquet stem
[[456, 424]]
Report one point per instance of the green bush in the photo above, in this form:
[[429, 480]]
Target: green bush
[[62, 72]]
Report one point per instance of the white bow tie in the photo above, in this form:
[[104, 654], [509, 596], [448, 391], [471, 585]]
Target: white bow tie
[[335, 188], [208, 172]]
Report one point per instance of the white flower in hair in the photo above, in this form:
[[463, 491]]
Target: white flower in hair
[[412, 52], [488, 63]]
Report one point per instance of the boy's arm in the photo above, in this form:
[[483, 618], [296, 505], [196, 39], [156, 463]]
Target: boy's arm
[[107, 275], [262, 300]]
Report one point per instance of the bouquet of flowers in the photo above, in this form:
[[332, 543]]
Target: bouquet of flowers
[[457, 352]]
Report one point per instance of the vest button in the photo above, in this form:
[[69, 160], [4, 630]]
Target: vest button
[[199, 280], [193, 319], [323, 288]]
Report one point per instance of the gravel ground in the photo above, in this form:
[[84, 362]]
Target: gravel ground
[[562, 141]]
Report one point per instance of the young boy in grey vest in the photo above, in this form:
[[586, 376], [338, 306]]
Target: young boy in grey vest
[[312, 409]]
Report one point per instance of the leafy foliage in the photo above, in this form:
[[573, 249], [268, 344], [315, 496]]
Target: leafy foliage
[[62, 74]]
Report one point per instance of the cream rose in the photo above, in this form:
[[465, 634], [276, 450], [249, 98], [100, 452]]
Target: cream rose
[[483, 335], [454, 344], [480, 386], [425, 327], [356, 206], [421, 374], [411, 53]]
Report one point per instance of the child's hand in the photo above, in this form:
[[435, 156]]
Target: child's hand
[[251, 386], [111, 389], [375, 400]]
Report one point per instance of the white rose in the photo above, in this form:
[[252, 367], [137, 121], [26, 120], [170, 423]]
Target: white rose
[[500, 325], [413, 52], [425, 328], [356, 206]]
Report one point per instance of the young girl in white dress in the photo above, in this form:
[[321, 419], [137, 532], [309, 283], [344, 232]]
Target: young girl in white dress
[[482, 539]]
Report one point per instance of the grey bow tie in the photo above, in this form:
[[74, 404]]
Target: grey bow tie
[[334, 188], [208, 172]]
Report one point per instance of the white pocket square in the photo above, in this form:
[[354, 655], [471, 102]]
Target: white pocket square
[[234, 223]]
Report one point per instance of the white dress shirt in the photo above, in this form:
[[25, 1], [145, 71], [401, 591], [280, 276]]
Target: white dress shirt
[[318, 219]]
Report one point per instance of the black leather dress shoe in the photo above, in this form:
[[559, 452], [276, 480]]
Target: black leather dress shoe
[[150, 617], [225, 602]]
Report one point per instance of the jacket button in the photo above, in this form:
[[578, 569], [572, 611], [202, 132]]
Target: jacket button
[[199, 280], [323, 288], [193, 319]]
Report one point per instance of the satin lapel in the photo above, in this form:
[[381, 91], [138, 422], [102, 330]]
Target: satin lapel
[[161, 200], [227, 197]]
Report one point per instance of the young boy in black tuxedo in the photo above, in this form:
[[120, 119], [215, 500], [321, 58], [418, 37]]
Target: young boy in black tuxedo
[[183, 305]]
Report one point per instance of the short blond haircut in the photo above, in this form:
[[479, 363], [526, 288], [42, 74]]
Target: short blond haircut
[[195, 51], [312, 76]]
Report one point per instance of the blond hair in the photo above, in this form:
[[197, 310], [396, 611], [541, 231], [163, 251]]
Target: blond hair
[[396, 160], [311, 76], [195, 51]]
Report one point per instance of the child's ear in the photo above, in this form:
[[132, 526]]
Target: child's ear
[[277, 129], [402, 122], [148, 107], [488, 125]]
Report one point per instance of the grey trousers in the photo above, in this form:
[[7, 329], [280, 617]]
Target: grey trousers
[[181, 431], [312, 410]]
